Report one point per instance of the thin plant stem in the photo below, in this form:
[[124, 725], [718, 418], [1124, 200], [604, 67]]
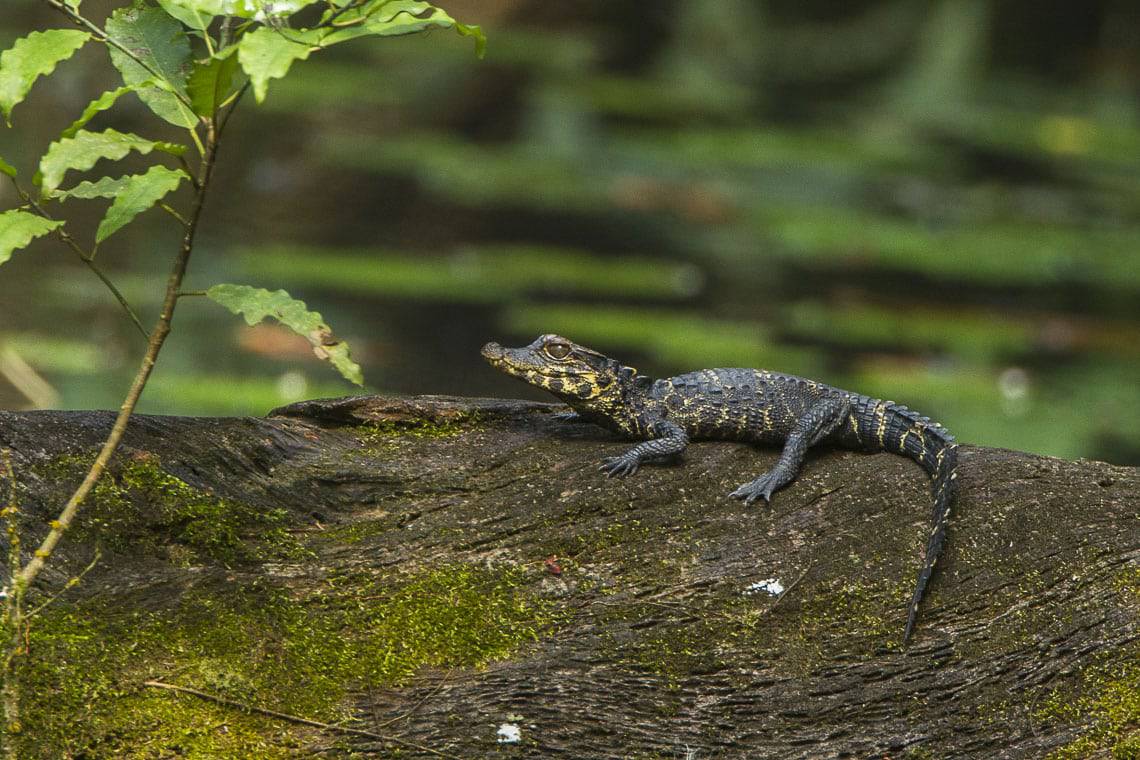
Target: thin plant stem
[[296, 718], [154, 345], [13, 614], [85, 257], [168, 209]]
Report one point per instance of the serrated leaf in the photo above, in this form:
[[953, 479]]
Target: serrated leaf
[[105, 187], [140, 192], [395, 17], [160, 41], [96, 106], [209, 84], [7, 168], [255, 304], [84, 150], [18, 228], [267, 53], [30, 58]]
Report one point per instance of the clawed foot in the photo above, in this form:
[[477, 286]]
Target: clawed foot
[[618, 467], [761, 488]]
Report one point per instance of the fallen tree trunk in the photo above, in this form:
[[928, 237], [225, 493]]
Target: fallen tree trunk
[[444, 572]]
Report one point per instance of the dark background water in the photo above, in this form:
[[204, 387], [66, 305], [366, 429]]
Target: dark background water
[[935, 202]]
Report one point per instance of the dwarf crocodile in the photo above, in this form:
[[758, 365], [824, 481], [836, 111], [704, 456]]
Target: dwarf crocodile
[[740, 405]]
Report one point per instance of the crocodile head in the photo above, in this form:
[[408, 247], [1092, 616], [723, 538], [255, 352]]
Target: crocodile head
[[574, 373]]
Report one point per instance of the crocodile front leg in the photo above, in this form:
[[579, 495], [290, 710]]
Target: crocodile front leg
[[817, 423], [669, 440]]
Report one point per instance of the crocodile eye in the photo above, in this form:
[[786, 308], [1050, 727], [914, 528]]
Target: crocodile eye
[[557, 350]]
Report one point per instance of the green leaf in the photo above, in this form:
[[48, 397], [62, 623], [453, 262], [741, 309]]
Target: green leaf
[[395, 17], [189, 15], [209, 84], [267, 53], [32, 57], [475, 32], [99, 104], [105, 187], [161, 43], [7, 168], [18, 228], [259, 10], [255, 304], [85, 149], [140, 192]]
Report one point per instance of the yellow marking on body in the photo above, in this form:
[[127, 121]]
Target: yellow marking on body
[[854, 422], [767, 418], [902, 441], [881, 417]]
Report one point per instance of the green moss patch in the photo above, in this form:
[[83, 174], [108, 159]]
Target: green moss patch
[[415, 428], [383, 436], [1106, 704], [258, 645], [139, 508]]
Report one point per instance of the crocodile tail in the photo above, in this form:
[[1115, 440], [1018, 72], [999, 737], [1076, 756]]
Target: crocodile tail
[[932, 446], [944, 487]]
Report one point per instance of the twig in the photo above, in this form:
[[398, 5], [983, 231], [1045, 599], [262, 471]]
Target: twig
[[416, 706], [330, 21], [74, 581], [236, 99], [784, 593], [189, 172], [85, 257], [166, 207], [298, 719]]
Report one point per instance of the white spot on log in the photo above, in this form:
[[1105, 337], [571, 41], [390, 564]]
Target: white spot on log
[[768, 585], [509, 733]]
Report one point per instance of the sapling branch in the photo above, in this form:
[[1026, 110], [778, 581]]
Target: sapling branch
[[154, 345]]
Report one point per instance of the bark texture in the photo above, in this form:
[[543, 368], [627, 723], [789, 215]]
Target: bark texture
[[660, 635]]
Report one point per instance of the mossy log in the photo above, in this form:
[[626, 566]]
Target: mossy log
[[436, 569]]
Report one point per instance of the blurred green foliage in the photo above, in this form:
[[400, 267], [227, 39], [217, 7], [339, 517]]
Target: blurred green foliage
[[934, 202]]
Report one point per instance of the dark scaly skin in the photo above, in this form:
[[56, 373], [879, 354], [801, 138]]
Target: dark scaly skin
[[737, 405]]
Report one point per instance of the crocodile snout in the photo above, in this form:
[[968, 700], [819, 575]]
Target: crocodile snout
[[493, 352]]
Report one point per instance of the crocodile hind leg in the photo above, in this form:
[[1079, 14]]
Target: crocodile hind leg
[[819, 421]]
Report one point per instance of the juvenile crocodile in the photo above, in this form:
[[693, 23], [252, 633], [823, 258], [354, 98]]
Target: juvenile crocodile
[[739, 405]]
